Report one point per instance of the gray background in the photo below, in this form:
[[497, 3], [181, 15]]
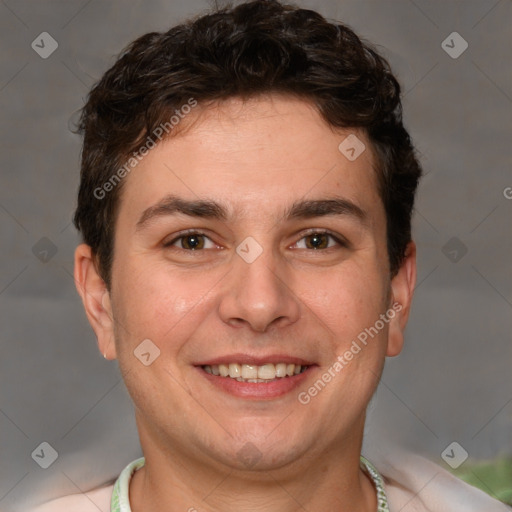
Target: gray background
[[453, 379]]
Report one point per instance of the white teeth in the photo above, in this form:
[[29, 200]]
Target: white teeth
[[281, 370], [253, 373], [249, 371], [267, 372], [235, 370]]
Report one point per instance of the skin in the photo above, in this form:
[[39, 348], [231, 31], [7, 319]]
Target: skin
[[256, 158]]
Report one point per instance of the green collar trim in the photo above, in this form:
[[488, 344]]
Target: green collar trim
[[120, 501], [382, 499]]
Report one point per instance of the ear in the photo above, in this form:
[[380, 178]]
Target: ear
[[402, 289], [96, 299]]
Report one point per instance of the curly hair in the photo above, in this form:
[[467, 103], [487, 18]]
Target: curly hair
[[255, 48]]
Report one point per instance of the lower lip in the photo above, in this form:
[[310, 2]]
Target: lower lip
[[257, 390]]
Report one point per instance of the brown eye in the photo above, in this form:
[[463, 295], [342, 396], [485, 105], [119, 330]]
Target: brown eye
[[190, 242], [317, 241]]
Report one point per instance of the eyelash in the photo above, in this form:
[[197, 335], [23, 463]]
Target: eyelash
[[339, 240]]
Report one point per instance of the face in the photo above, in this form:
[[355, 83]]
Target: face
[[250, 246]]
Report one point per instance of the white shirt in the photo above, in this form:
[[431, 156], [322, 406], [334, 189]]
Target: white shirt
[[411, 482]]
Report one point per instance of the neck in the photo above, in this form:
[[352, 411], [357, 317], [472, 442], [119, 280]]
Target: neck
[[172, 480]]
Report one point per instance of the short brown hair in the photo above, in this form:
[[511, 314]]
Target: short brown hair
[[254, 48]]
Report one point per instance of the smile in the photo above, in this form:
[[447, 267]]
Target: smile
[[255, 374]]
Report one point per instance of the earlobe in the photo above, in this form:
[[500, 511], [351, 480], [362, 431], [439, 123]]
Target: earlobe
[[402, 290], [96, 299]]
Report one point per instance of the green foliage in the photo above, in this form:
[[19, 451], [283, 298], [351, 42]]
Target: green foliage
[[493, 477]]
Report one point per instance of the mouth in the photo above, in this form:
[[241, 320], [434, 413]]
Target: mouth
[[256, 378], [267, 372]]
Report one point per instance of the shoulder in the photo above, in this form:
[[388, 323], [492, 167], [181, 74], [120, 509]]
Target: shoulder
[[98, 499], [416, 484], [412, 484], [93, 501]]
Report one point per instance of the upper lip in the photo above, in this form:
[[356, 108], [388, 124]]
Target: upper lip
[[255, 360]]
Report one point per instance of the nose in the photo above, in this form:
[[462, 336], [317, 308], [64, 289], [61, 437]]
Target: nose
[[259, 294]]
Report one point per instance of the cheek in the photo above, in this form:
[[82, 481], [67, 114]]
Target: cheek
[[347, 299], [153, 302]]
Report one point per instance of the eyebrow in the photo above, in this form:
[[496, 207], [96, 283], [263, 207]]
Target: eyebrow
[[207, 209]]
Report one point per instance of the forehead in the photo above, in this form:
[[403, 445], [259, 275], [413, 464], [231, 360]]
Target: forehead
[[256, 157]]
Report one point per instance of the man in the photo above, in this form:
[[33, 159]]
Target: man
[[245, 203]]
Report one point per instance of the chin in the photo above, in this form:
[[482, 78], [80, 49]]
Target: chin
[[260, 452]]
